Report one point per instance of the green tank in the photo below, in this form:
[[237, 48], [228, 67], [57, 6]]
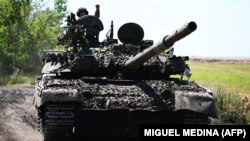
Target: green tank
[[111, 89]]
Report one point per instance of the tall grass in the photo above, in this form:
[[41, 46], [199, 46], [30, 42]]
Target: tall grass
[[17, 78], [232, 107]]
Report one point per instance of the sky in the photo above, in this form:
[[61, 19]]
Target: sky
[[223, 25]]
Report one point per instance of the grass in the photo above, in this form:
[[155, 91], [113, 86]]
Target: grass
[[17, 79], [233, 77], [232, 107], [230, 83]]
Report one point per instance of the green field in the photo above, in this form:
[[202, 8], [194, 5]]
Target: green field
[[230, 82], [234, 77]]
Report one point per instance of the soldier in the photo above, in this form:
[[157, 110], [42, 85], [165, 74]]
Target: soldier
[[92, 24]]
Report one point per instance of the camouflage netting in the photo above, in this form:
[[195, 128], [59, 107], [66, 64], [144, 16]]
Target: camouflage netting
[[133, 95]]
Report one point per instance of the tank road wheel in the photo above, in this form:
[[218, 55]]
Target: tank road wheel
[[57, 122]]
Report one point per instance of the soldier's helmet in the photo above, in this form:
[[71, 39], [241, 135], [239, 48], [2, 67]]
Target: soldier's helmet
[[80, 10]]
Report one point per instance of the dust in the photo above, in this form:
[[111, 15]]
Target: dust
[[18, 117]]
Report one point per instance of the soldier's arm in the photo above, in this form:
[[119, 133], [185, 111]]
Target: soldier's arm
[[97, 11]]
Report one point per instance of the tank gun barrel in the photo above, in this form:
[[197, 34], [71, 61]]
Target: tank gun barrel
[[167, 42]]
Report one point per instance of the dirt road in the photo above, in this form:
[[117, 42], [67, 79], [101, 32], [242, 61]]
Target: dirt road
[[17, 115]]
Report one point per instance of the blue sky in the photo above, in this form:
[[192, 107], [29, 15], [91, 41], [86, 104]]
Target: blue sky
[[223, 25]]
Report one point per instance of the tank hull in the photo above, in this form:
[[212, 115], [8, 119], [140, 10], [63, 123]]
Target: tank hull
[[96, 107]]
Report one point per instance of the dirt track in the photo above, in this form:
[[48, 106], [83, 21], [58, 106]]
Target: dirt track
[[18, 115]]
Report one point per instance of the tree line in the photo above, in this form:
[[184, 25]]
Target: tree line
[[27, 28]]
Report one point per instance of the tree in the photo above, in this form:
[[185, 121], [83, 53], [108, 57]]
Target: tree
[[27, 28]]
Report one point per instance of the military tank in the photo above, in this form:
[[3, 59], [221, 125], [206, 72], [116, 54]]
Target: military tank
[[111, 89]]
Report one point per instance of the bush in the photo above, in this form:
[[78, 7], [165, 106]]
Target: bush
[[19, 78], [4, 80], [232, 107]]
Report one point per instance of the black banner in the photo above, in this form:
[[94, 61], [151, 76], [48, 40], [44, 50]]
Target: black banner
[[217, 132]]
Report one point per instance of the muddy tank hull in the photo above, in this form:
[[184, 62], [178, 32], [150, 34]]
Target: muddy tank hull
[[99, 107]]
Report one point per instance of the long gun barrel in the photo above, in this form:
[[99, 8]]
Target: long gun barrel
[[166, 43]]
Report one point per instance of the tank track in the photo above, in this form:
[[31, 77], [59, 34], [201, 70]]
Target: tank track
[[57, 122]]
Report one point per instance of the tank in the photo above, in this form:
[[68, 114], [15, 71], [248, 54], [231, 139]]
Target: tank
[[110, 89]]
